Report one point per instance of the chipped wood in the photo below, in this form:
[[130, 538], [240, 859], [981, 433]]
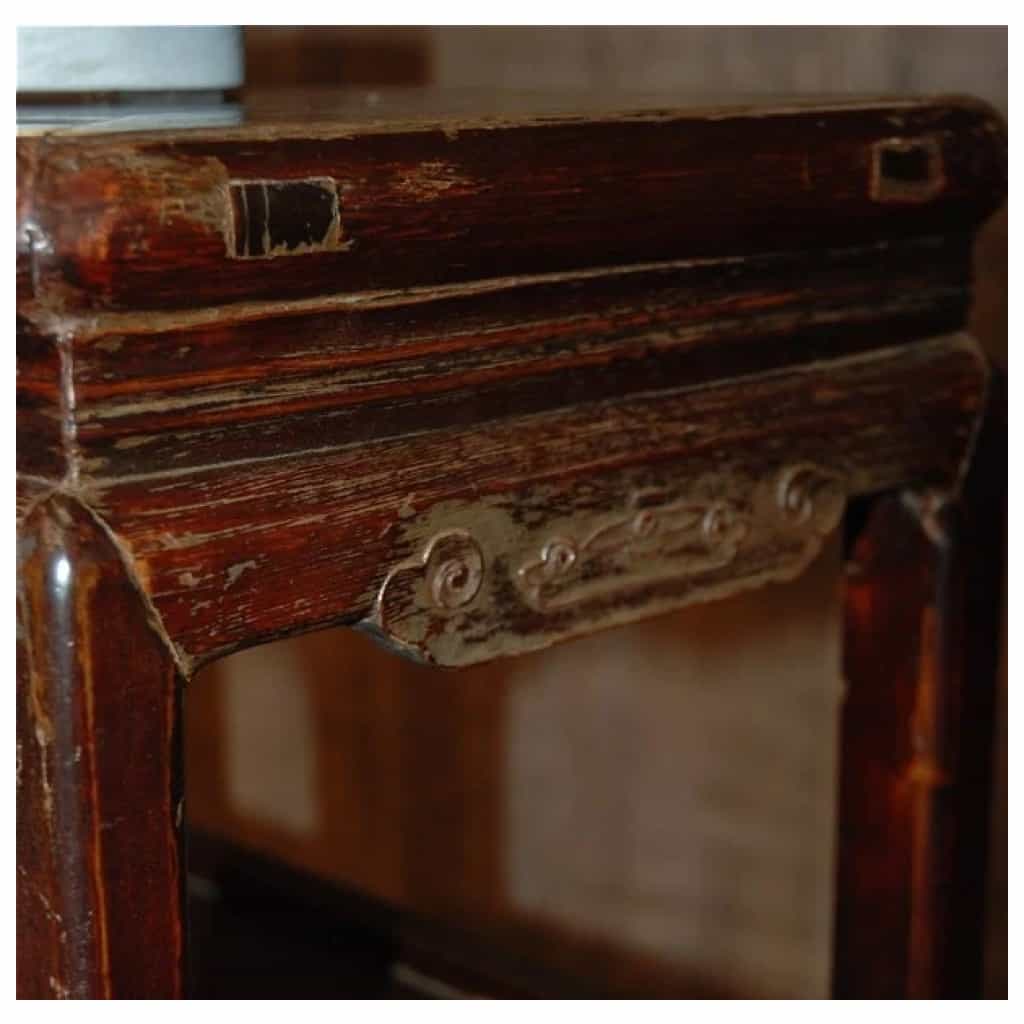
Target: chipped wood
[[288, 381], [324, 527], [478, 384], [493, 582], [138, 222], [283, 218]]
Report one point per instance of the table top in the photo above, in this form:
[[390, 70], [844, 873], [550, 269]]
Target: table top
[[326, 111]]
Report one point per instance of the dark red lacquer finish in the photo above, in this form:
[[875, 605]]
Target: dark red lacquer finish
[[266, 373]]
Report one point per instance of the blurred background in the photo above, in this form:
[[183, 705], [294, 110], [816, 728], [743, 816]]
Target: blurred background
[[655, 804], [684, 59]]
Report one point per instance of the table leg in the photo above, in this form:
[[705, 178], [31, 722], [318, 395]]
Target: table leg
[[100, 868], [921, 646]]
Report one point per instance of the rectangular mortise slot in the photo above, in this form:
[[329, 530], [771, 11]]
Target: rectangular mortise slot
[[283, 218], [906, 170]]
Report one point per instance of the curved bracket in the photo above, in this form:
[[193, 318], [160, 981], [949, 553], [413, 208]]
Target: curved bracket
[[492, 578]]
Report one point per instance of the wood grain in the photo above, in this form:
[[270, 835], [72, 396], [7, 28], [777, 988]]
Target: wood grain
[[144, 222], [163, 391], [41, 422], [99, 779], [234, 554], [921, 651], [496, 322], [261, 367]]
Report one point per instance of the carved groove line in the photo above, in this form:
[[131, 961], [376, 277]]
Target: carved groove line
[[658, 539], [708, 533], [454, 568]]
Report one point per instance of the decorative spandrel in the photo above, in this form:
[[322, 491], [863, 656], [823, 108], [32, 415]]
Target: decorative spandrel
[[496, 577]]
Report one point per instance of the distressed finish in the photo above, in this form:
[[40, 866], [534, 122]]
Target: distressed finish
[[307, 540], [469, 595], [100, 870], [921, 643], [476, 382], [435, 196]]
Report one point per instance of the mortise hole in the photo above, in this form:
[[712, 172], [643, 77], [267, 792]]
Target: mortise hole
[[906, 170], [908, 165]]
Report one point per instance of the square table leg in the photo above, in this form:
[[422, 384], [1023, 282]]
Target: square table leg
[[921, 653], [100, 867]]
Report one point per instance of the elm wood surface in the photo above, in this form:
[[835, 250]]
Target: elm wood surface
[[921, 649], [154, 393], [253, 550], [99, 780], [521, 316], [148, 221]]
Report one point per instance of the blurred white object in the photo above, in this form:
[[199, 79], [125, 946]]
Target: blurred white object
[[116, 59]]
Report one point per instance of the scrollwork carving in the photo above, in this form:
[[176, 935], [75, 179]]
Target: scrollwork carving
[[516, 574], [808, 494], [454, 576], [449, 569], [691, 536]]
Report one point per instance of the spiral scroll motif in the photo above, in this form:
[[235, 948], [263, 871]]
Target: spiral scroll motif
[[454, 570], [722, 524], [808, 495], [469, 592]]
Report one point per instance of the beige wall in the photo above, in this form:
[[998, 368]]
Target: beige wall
[[685, 59], [701, 59]]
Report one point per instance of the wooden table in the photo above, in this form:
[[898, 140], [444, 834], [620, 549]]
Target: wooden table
[[478, 380]]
